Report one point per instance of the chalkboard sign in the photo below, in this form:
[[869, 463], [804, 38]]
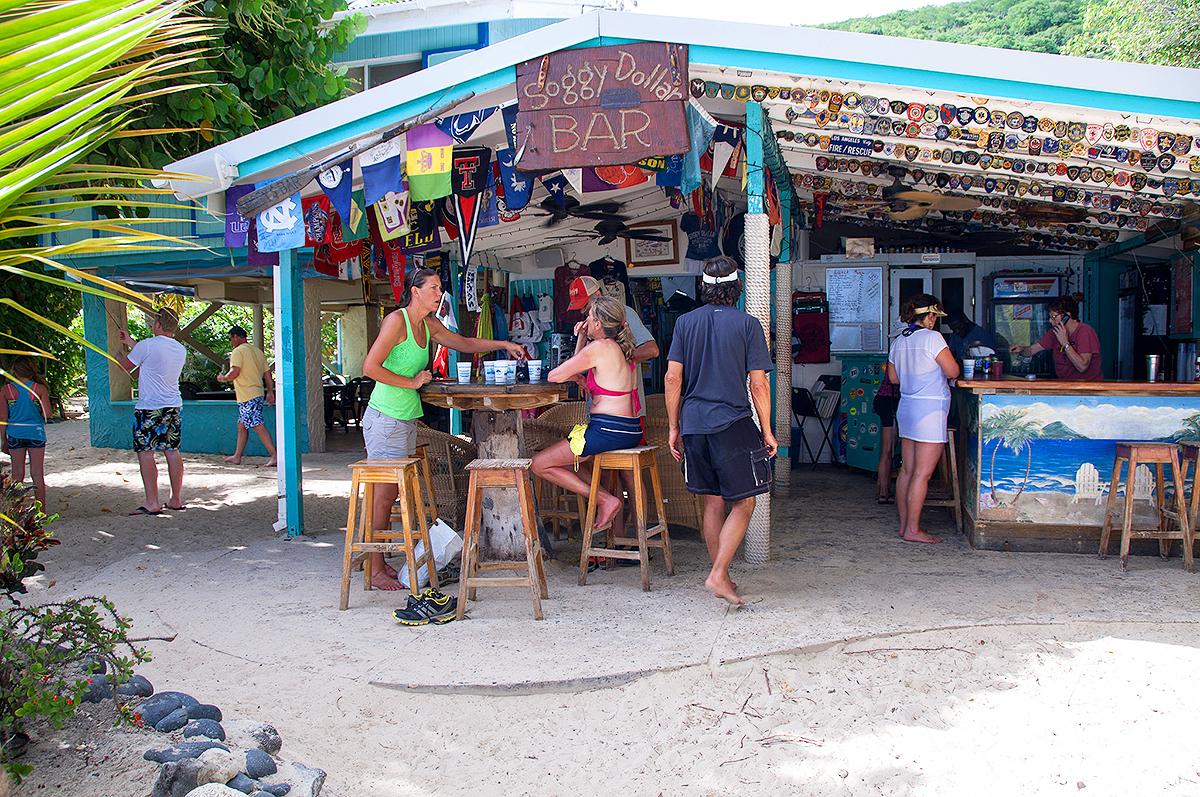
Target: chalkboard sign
[[855, 309]]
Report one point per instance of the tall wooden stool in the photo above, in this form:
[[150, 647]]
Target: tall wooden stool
[[1189, 464], [362, 540], [947, 493], [554, 507], [1157, 454], [429, 502], [638, 461], [510, 473]]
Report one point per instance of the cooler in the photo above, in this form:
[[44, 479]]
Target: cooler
[[861, 377]]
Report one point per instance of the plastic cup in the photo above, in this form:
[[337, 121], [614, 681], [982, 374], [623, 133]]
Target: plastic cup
[[510, 372], [535, 371], [489, 371], [968, 369], [464, 373]]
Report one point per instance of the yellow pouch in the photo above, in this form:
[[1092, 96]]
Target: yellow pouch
[[576, 441]]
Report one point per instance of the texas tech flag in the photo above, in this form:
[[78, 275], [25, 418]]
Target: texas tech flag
[[468, 179]]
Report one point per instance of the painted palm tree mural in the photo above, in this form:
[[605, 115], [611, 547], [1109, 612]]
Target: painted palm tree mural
[[1012, 429], [1190, 431]]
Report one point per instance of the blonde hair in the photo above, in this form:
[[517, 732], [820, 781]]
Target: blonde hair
[[610, 314]]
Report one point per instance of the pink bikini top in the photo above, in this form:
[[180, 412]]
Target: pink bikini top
[[595, 389]]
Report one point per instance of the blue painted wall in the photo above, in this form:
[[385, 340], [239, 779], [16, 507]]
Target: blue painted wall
[[208, 426]]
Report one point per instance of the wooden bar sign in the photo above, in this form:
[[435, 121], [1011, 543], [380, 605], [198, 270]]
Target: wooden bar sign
[[602, 106]]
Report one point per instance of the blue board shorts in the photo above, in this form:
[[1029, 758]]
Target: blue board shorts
[[250, 413], [605, 433]]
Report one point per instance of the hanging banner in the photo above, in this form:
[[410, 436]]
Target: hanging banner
[[381, 170], [470, 292], [462, 126], [391, 214], [518, 186], [336, 182], [281, 226], [469, 176], [422, 235], [396, 274], [237, 226], [602, 106], [610, 178], [316, 220], [430, 152]]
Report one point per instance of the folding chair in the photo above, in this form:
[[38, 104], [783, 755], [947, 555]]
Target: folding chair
[[822, 405]]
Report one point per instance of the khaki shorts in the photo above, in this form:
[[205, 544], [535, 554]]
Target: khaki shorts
[[387, 437]]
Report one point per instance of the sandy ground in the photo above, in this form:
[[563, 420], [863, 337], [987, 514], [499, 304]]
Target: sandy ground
[[861, 666]]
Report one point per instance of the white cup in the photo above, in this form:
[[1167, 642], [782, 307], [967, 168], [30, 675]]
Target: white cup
[[489, 371], [968, 369], [510, 372], [464, 373], [535, 371]]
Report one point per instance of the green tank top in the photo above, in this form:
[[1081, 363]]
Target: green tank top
[[405, 359]]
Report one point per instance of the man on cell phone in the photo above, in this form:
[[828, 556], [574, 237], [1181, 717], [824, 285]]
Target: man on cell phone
[[1075, 346], [725, 456]]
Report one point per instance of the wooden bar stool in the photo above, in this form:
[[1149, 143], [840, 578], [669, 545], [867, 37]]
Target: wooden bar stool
[[508, 473], [429, 502], [1189, 463], [1157, 454], [946, 492], [638, 460], [554, 507], [362, 540]]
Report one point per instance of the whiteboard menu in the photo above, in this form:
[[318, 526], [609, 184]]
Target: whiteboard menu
[[855, 298]]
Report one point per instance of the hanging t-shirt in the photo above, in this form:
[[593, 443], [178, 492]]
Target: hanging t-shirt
[[565, 320], [702, 240], [610, 267]]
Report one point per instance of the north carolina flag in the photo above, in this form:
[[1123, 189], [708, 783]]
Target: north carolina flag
[[430, 155]]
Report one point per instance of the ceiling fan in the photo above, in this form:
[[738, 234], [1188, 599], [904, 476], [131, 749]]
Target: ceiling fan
[[610, 229], [572, 208], [905, 204], [1045, 213]]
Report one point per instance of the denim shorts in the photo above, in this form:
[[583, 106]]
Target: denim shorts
[[387, 437], [24, 442]]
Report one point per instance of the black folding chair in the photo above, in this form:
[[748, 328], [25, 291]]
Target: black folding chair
[[823, 406]]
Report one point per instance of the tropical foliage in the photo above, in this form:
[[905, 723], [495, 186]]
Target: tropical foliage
[[1165, 32], [1013, 430], [1190, 432]]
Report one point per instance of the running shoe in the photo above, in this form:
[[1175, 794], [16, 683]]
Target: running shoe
[[430, 606]]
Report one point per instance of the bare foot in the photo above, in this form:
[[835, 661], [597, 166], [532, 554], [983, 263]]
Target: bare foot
[[609, 507], [271, 462], [391, 572], [233, 460], [723, 588], [385, 582], [921, 536]]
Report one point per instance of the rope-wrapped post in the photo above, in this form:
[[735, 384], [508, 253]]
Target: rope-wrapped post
[[756, 549], [783, 372]]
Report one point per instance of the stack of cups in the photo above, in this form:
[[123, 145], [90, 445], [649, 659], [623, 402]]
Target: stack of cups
[[464, 373], [535, 371], [489, 372]]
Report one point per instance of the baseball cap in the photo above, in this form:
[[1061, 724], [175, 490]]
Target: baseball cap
[[582, 289]]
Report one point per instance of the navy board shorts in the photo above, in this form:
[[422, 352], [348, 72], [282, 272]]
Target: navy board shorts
[[157, 430], [732, 463]]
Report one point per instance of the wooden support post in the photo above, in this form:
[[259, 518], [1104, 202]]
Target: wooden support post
[[259, 335], [291, 407]]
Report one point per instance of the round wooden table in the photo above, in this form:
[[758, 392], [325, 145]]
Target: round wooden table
[[496, 427]]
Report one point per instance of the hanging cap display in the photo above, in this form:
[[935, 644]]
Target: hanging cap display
[[582, 289]]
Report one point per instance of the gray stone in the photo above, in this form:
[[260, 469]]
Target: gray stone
[[185, 700], [155, 708], [176, 778], [204, 711], [306, 781], [214, 790], [259, 764], [218, 766], [276, 789], [208, 728], [242, 784], [261, 794], [97, 690], [181, 751], [173, 721], [251, 733], [136, 686]]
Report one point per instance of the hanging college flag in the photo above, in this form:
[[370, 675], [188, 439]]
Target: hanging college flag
[[509, 112], [672, 176], [391, 214], [316, 220], [237, 226], [701, 127], [557, 186], [460, 127], [336, 182], [380, 170], [429, 157], [517, 185], [281, 226], [472, 166], [610, 178], [489, 213], [354, 228], [254, 255]]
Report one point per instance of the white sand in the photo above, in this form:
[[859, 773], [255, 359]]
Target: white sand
[[1049, 674]]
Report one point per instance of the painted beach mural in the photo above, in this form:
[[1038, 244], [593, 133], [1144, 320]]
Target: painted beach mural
[[1048, 459]]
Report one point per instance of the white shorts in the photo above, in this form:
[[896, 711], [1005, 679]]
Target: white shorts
[[923, 419], [387, 437]]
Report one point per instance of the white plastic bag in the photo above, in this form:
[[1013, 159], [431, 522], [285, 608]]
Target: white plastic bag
[[446, 546]]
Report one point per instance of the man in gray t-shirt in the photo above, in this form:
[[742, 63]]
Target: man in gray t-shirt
[[714, 349]]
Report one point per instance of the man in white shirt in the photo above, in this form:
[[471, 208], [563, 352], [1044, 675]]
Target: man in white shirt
[[156, 423]]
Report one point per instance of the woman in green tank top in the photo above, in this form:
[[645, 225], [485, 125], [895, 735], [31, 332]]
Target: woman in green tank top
[[399, 363]]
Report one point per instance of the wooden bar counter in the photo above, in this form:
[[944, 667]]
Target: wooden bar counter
[[1036, 456]]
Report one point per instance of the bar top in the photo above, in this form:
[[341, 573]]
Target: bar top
[[1063, 387]]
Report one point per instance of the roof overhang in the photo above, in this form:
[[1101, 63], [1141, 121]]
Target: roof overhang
[[409, 15]]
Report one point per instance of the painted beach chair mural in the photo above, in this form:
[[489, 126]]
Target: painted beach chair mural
[[1087, 483]]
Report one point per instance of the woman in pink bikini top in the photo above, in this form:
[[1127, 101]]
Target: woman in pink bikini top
[[604, 353]]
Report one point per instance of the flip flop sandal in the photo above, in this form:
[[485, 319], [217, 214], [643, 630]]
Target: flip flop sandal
[[141, 510], [175, 508]]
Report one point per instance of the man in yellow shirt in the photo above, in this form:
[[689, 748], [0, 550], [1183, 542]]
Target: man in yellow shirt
[[249, 373]]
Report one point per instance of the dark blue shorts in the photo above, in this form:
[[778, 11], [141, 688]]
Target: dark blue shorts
[[605, 433], [24, 442]]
